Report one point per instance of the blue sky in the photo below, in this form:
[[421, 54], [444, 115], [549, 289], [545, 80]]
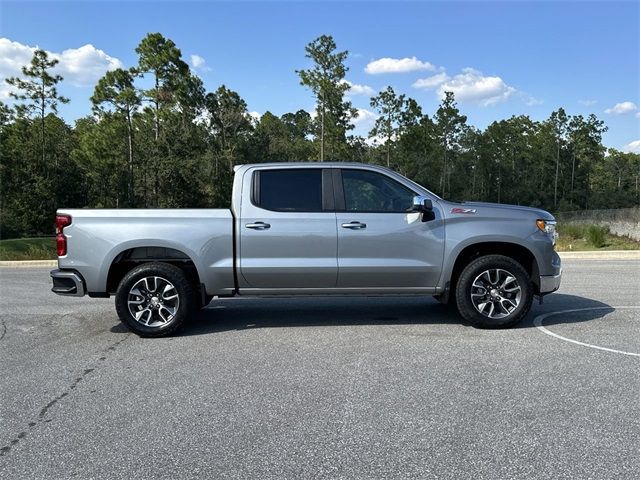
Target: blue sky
[[502, 58]]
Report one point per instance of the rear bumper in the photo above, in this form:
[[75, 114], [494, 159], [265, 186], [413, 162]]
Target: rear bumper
[[550, 283], [67, 282]]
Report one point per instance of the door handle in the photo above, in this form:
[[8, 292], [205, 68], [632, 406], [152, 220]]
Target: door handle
[[354, 225], [258, 226]]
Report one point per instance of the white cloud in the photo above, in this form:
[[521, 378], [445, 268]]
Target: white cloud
[[79, 66], [620, 108], [13, 56], [529, 100], [255, 116], [375, 141], [199, 63], [471, 85], [637, 114], [363, 121], [379, 140], [85, 65], [431, 82], [365, 118], [397, 65], [357, 89], [202, 118], [633, 147], [587, 103]]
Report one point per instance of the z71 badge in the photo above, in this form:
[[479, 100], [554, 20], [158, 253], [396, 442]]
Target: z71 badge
[[463, 210]]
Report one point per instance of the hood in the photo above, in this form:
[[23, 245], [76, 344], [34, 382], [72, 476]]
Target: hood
[[484, 208]]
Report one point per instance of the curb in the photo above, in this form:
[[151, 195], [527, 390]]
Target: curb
[[28, 263], [602, 255]]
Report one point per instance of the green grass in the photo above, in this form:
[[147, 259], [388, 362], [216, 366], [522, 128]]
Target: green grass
[[581, 237], [597, 236], [37, 248]]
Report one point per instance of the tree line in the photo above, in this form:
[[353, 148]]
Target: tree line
[[156, 138]]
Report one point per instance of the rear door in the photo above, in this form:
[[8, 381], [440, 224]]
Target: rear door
[[288, 237], [382, 244]]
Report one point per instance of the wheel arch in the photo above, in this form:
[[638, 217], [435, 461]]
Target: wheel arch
[[518, 252], [127, 259]]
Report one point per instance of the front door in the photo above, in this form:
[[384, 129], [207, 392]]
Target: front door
[[382, 244], [288, 230]]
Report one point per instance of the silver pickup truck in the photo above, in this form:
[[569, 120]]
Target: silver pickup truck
[[310, 229]]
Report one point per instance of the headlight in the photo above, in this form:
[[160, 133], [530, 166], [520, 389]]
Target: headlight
[[548, 227]]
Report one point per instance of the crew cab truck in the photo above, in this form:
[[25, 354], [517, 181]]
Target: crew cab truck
[[310, 229]]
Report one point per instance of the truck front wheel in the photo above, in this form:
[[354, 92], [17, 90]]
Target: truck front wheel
[[494, 291], [154, 299]]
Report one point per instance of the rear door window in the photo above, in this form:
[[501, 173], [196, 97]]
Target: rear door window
[[292, 190]]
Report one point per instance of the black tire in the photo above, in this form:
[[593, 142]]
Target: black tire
[[162, 321], [464, 289]]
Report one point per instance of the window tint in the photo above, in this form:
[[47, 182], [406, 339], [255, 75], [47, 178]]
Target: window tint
[[373, 192], [295, 190]]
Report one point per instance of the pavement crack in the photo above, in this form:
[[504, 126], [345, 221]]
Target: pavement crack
[[3, 328], [42, 415], [46, 408]]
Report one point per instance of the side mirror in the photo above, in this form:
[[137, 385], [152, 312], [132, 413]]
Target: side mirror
[[423, 205]]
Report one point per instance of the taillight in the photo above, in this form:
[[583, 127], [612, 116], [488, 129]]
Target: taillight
[[61, 245], [61, 241]]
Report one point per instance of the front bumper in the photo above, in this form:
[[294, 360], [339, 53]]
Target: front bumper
[[67, 282], [550, 283]]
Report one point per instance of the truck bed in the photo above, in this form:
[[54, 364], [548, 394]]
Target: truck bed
[[96, 237]]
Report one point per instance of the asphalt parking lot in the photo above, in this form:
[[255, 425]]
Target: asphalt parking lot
[[323, 388]]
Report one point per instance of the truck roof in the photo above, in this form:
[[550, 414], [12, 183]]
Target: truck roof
[[306, 164]]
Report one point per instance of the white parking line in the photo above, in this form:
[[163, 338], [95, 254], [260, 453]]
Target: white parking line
[[538, 323]]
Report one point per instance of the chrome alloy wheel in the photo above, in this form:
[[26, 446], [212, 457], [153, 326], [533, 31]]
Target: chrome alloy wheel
[[153, 301], [496, 293]]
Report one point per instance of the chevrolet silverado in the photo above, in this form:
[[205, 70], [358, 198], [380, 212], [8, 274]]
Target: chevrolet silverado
[[310, 229]]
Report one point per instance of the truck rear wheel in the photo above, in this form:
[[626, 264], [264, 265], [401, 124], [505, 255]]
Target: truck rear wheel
[[494, 291], [154, 299]]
